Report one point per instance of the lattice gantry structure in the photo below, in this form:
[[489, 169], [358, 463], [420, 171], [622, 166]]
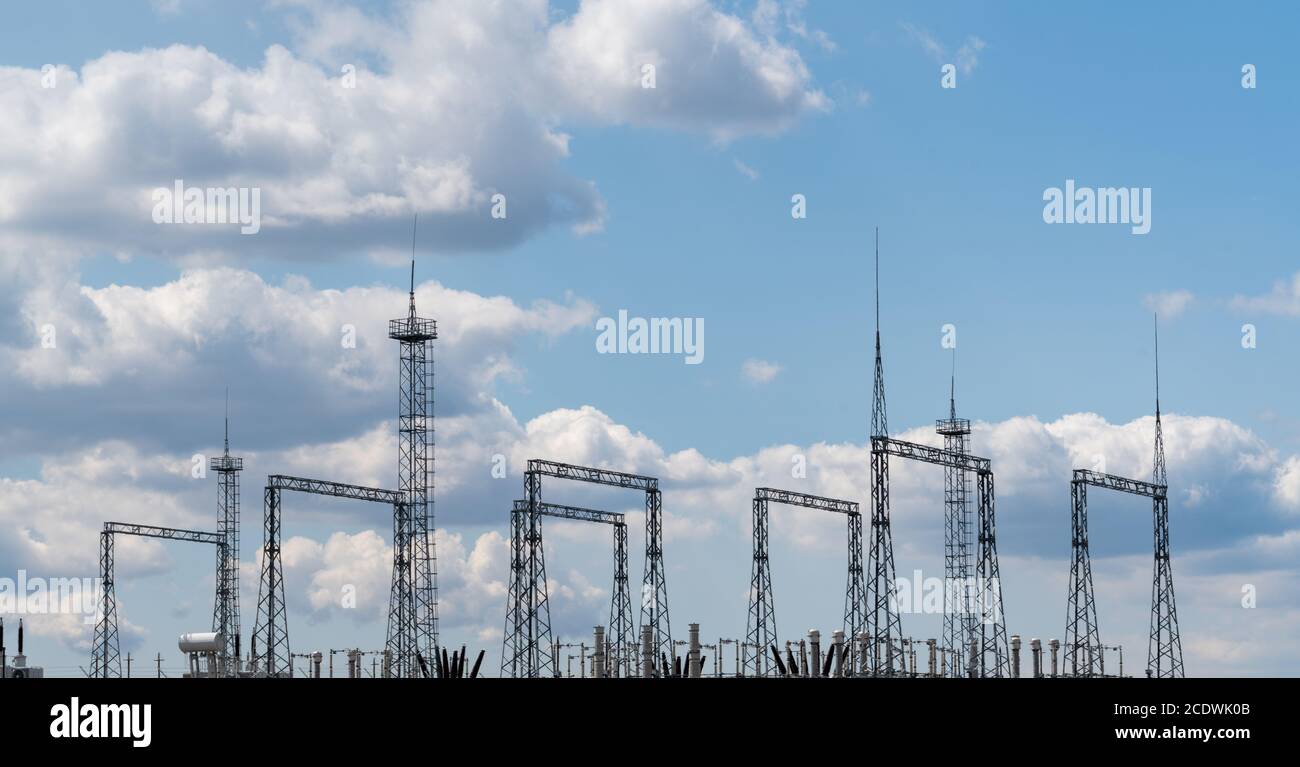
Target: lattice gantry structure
[[985, 603], [105, 660], [415, 432], [760, 632], [525, 651], [1083, 648], [959, 623], [225, 613], [271, 633], [621, 638], [884, 625]]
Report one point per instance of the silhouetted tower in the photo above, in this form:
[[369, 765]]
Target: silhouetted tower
[[883, 623], [272, 622], [105, 660], [413, 601], [1165, 648], [959, 620], [855, 596], [760, 626], [225, 611], [621, 628]]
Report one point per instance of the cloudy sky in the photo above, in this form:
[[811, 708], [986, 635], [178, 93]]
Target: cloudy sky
[[120, 335]]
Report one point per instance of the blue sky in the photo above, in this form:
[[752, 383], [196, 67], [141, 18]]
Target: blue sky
[[693, 196]]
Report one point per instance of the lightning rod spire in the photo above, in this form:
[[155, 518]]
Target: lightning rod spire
[[415, 225]]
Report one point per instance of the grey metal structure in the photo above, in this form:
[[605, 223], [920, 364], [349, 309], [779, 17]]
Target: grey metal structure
[[525, 651], [959, 622], [271, 634], [225, 613], [621, 637], [105, 659], [760, 631], [413, 602], [991, 636], [884, 625], [1083, 648]]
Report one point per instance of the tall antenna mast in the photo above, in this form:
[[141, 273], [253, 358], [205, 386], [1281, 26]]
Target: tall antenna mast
[[952, 387], [227, 420], [1155, 324], [1158, 461], [415, 225], [879, 421]]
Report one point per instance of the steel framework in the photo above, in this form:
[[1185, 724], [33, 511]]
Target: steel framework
[[959, 626], [1082, 639], [760, 631], [272, 629], [225, 613], [105, 660], [525, 649], [884, 625], [413, 602], [1164, 645], [621, 632], [994, 655]]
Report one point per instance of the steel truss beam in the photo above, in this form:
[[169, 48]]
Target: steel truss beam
[[760, 632], [335, 489], [525, 650], [933, 455], [105, 659], [621, 631], [883, 623], [1083, 647]]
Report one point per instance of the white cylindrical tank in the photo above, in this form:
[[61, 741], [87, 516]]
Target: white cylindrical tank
[[201, 641]]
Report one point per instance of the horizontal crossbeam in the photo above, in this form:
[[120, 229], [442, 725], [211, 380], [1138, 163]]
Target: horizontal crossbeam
[[167, 533], [934, 455], [590, 474], [572, 512], [803, 499], [335, 489], [1121, 484]]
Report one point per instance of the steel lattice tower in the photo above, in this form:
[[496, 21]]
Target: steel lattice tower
[[413, 607], [959, 621], [1164, 648], [105, 660], [225, 611], [525, 650], [760, 629], [272, 621], [654, 585], [855, 593], [883, 623], [995, 654], [620, 608], [1082, 637]]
